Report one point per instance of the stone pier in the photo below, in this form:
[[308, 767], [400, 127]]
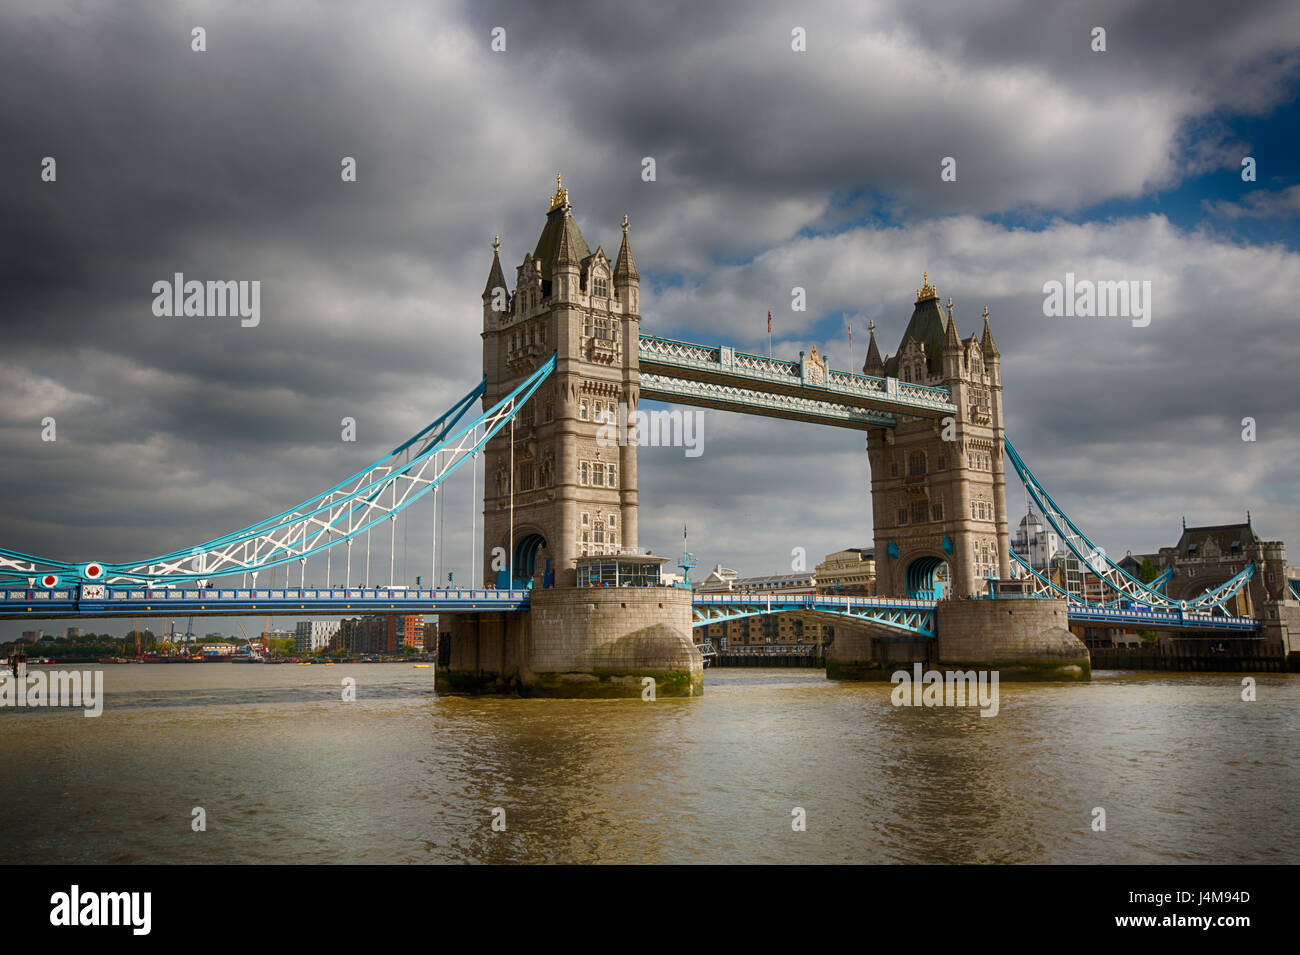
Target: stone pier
[[1024, 639], [1281, 630], [576, 642]]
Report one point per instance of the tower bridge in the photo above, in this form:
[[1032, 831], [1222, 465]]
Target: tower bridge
[[563, 354]]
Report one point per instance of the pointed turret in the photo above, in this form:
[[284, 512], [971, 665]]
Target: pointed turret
[[952, 339], [496, 277], [565, 253], [566, 269], [953, 354], [627, 283], [873, 366], [625, 267], [987, 344]]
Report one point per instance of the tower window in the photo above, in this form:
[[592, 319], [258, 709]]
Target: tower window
[[893, 468], [598, 412], [600, 287], [583, 474], [613, 521], [613, 477], [902, 515], [936, 512], [598, 475], [582, 410], [916, 462]]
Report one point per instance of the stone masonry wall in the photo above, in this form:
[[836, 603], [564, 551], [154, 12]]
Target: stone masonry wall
[[1024, 638]]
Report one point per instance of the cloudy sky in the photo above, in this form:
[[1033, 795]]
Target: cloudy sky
[[775, 168]]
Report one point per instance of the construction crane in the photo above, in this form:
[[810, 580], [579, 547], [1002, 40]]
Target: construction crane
[[266, 650]]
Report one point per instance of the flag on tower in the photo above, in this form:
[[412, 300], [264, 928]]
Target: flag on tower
[[769, 321]]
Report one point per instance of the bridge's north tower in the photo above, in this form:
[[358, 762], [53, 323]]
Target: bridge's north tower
[[938, 488], [573, 495]]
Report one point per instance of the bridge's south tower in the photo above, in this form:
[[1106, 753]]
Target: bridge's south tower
[[938, 488], [573, 495]]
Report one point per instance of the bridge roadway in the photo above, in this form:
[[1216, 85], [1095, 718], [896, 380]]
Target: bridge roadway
[[910, 618]]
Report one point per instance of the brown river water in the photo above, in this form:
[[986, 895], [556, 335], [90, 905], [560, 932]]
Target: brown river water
[[286, 772]]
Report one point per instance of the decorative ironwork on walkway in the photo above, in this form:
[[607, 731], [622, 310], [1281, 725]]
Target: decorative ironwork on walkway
[[739, 379]]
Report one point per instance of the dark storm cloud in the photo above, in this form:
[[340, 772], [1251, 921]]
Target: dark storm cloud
[[774, 169]]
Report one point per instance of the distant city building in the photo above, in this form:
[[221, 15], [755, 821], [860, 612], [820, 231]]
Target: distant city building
[[313, 635], [1205, 557], [366, 634], [722, 580], [410, 628], [776, 632], [379, 633], [1037, 543], [1132, 563], [1066, 573], [851, 571], [32, 636], [73, 633], [719, 578]]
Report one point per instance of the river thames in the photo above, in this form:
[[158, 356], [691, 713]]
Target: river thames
[[286, 772]]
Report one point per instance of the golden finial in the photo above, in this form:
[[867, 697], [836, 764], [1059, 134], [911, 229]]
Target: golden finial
[[496, 244], [625, 223], [814, 354], [871, 326], [986, 311], [926, 291], [561, 197]]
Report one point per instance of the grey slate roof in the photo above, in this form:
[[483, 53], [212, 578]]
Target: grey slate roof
[[559, 221], [928, 326]]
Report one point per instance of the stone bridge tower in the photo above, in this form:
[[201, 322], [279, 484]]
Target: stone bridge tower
[[573, 495], [938, 487]]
